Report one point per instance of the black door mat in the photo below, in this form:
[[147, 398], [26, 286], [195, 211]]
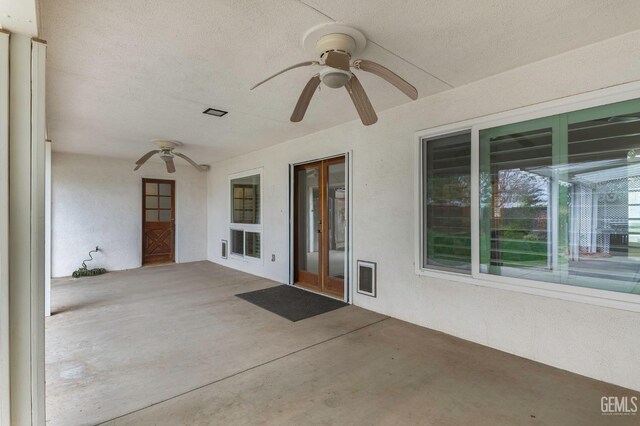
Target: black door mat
[[291, 303]]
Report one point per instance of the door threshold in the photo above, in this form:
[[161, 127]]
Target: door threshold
[[149, 265], [297, 285]]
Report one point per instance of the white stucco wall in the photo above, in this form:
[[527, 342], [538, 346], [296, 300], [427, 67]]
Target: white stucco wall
[[97, 201], [595, 341]]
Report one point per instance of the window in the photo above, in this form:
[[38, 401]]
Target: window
[[560, 198], [246, 227], [516, 211], [545, 202], [246, 199], [446, 202]]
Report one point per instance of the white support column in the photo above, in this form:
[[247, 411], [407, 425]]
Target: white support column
[[20, 228], [5, 414], [38, 257], [26, 225], [47, 230]]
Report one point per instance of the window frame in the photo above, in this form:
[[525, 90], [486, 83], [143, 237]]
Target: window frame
[[625, 301], [245, 227]]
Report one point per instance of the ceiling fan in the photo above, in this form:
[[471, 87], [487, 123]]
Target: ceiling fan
[[336, 44], [166, 152]]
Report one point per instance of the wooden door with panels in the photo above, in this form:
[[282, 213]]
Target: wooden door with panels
[[158, 221], [320, 226]]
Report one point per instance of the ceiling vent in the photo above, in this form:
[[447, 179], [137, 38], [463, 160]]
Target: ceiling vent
[[215, 112]]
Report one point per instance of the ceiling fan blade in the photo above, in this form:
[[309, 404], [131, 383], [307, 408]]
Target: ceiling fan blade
[[337, 60], [301, 64], [361, 101], [190, 161], [145, 157], [171, 168], [374, 68], [305, 98]]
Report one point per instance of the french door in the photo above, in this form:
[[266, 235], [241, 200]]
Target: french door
[[320, 226]]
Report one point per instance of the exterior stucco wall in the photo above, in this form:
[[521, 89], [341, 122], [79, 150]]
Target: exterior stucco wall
[[97, 201]]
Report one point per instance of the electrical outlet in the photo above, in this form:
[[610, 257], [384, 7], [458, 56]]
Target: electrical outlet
[[273, 257]]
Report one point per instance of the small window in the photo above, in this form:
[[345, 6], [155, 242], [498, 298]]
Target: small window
[[245, 215], [446, 203], [245, 202]]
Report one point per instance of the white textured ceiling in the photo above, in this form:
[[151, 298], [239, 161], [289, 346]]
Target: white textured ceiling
[[122, 72]]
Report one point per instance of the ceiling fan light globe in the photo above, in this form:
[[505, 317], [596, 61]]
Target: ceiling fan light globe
[[334, 78]]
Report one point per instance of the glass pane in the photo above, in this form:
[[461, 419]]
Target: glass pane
[[237, 242], [447, 198], [634, 211], [165, 189], [252, 244], [238, 207], [245, 202], [165, 202], [337, 197], [634, 197], [309, 225], [603, 172], [515, 194], [151, 216], [151, 189], [564, 209], [164, 215], [151, 202]]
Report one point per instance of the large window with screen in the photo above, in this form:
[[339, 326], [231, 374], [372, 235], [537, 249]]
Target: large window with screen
[[557, 201]]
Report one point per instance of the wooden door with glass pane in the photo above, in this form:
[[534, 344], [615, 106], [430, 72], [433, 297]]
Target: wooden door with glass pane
[[320, 226], [158, 221]]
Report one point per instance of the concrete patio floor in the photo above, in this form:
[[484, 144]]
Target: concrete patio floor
[[172, 345]]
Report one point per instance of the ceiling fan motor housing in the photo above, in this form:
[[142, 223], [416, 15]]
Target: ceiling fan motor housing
[[166, 144], [337, 42]]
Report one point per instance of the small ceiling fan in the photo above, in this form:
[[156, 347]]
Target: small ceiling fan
[[166, 152], [336, 44]]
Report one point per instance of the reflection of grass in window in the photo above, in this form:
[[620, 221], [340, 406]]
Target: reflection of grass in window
[[449, 249], [521, 237], [521, 252]]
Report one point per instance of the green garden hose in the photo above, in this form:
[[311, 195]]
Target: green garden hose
[[84, 272]]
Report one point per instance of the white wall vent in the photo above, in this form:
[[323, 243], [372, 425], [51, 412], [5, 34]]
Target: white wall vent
[[223, 249]]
